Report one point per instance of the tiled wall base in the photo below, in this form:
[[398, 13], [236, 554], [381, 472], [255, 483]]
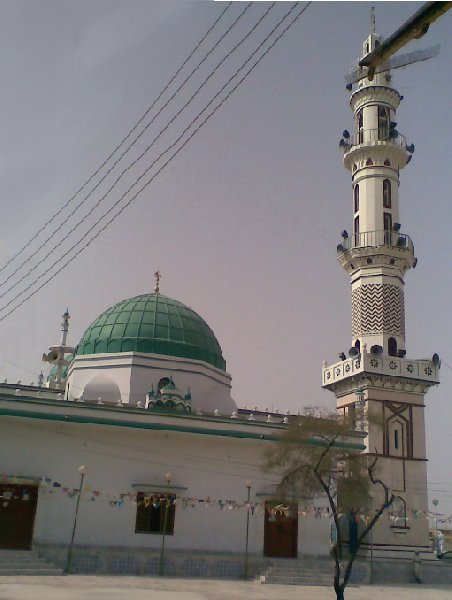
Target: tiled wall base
[[136, 561], [401, 571]]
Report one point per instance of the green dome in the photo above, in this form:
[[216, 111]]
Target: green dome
[[154, 324]]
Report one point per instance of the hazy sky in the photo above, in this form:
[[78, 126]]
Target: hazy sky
[[244, 222]]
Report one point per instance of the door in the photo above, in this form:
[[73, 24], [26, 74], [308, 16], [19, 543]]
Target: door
[[17, 515], [281, 530]]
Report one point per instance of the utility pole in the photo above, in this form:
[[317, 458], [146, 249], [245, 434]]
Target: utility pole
[[414, 28]]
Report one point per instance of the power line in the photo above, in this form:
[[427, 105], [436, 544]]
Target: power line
[[60, 210], [165, 164], [154, 162], [133, 163]]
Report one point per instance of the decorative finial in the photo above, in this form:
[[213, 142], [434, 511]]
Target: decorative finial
[[157, 277], [65, 322], [372, 19]]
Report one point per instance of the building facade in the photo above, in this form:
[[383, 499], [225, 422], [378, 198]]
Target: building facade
[[142, 463], [135, 457]]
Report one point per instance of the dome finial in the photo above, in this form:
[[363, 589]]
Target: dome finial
[[372, 19], [157, 277]]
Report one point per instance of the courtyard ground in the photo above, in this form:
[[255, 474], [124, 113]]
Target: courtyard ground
[[80, 587]]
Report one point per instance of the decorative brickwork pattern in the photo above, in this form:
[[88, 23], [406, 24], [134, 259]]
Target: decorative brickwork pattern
[[378, 308]]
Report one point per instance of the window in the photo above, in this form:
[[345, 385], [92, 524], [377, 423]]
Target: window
[[161, 384], [358, 345], [155, 513], [383, 123], [387, 227], [356, 227], [397, 439], [386, 193], [369, 162], [392, 346], [359, 126], [387, 163], [356, 197]]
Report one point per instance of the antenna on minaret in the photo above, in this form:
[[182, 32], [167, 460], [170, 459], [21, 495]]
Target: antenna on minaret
[[372, 19], [65, 327], [157, 277]]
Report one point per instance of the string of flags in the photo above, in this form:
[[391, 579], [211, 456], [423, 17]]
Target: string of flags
[[49, 488]]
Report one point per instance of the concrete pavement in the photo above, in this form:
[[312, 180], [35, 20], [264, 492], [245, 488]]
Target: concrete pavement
[[82, 587]]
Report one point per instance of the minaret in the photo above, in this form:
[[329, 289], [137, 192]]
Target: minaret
[[56, 355], [376, 371]]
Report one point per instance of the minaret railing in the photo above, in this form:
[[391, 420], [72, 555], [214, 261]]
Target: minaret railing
[[377, 238], [371, 136]]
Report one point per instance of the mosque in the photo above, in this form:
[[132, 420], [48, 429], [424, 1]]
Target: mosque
[[134, 457], [139, 417]]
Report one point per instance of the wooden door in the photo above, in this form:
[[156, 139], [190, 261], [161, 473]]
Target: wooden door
[[17, 515], [281, 530]]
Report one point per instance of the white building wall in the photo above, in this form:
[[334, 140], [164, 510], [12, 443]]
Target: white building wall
[[135, 374], [117, 457]]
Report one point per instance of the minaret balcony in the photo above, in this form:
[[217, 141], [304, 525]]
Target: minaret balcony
[[374, 239], [391, 143], [379, 368], [390, 248], [374, 136]]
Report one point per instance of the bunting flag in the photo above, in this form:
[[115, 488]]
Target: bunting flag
[[49, 488]]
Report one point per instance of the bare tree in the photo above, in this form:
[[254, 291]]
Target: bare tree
[[321, 454]]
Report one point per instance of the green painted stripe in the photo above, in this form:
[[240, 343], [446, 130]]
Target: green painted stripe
[[133, 410], [135, 425], [163, 427], [349, 445]]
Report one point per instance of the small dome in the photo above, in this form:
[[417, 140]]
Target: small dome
[[169, 387], [153, 324]]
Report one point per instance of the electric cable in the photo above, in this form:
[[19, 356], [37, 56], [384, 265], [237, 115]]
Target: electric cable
[[145, 185], [132, 164], [53, 217], [43, 244]]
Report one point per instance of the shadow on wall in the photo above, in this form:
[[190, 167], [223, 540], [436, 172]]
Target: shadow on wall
[[101, 389]]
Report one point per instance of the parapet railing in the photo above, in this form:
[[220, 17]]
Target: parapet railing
[[365, 136], [376, 238]]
